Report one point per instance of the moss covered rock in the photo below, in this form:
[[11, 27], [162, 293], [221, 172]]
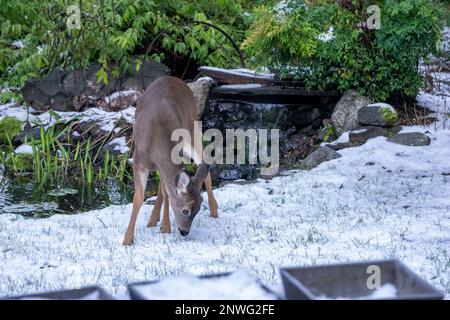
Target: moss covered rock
[[9, 128], [378, 114], [21, 162]]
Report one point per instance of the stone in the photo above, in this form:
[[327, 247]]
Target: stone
[[416, 139], [320, 155], [79, 89], [341, 145], [365, 133], [201, 89], [378, 114], [345, 114], [27, 134]]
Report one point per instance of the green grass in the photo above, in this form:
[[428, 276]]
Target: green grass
[[9, 127], [54, 160]]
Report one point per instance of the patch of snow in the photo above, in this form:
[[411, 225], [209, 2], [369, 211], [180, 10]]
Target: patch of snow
[[359, 131], [241, 86], [18, 112], [242, 72], [237, 286], [208, 79], [119, 94], [343, 138], [19, 44], [386, 291], [24, 149], [327, 36], [382, 105], [119, 144]]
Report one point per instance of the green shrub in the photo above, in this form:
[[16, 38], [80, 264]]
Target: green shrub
[[9, 128], [377, 63], [389, 116], [115, 33]]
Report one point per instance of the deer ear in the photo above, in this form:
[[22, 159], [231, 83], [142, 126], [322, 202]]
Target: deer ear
[[182, 181], [201, 173]]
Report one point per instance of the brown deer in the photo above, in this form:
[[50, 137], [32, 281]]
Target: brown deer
[[166, 105]]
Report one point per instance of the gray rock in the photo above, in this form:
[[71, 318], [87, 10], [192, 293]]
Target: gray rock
[[28, 135], [60, 90], [363, 134], [378, 114], [345, 114], [201, 89], [416, 139], [322, 154], [230, 174], [341, 145]]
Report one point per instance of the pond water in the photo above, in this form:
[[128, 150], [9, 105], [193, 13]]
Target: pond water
[[19, 196]]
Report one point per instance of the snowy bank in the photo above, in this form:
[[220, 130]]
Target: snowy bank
[[380, 200]]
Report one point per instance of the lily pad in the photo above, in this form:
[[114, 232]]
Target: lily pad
[[56, 193], [62, 192], [70, 190]]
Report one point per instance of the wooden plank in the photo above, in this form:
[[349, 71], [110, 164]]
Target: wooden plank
[[274, 94], [238, 76]]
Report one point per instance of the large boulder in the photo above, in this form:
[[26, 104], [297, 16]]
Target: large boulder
[[378, 114], [415, 139], [320, 155], [78, 89], [200, 89], [345, 114]]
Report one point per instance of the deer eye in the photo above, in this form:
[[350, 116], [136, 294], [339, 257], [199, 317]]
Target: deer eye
[[185, 213]]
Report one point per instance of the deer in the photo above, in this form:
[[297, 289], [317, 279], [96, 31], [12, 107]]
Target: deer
[[166, 105]]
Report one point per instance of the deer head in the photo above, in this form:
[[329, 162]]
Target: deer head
[[188, 199]]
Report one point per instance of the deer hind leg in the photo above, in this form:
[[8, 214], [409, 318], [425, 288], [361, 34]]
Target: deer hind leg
[[140, 182], [211, 200], [165, 225], [156, 212]]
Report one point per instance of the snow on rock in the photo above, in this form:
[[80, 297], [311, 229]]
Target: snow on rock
[[18, 112], [121, 94], [24, 149], [120, 145], [241, 86], [236, 286]]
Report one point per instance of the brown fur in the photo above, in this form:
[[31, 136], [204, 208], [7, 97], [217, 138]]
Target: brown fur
[[167, 104]]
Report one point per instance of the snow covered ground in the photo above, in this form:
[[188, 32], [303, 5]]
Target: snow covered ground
[[380, 200]]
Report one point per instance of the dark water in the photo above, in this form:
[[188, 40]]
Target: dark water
[[20, 196]]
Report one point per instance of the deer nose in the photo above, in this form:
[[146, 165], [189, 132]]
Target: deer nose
[[183, 232]]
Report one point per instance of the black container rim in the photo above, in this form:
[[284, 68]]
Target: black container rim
[[434, 292], [103, 294]]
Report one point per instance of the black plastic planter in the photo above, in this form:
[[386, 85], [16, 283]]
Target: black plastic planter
[[90, 293], [135, 293], [350, 281]]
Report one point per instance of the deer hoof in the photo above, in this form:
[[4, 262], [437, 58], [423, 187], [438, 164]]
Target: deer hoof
[[127, 241], [165, 229]]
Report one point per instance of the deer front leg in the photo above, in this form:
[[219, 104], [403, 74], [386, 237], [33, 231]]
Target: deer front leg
[[140, 182], [211, 200], [156, 212], [165, 226]]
